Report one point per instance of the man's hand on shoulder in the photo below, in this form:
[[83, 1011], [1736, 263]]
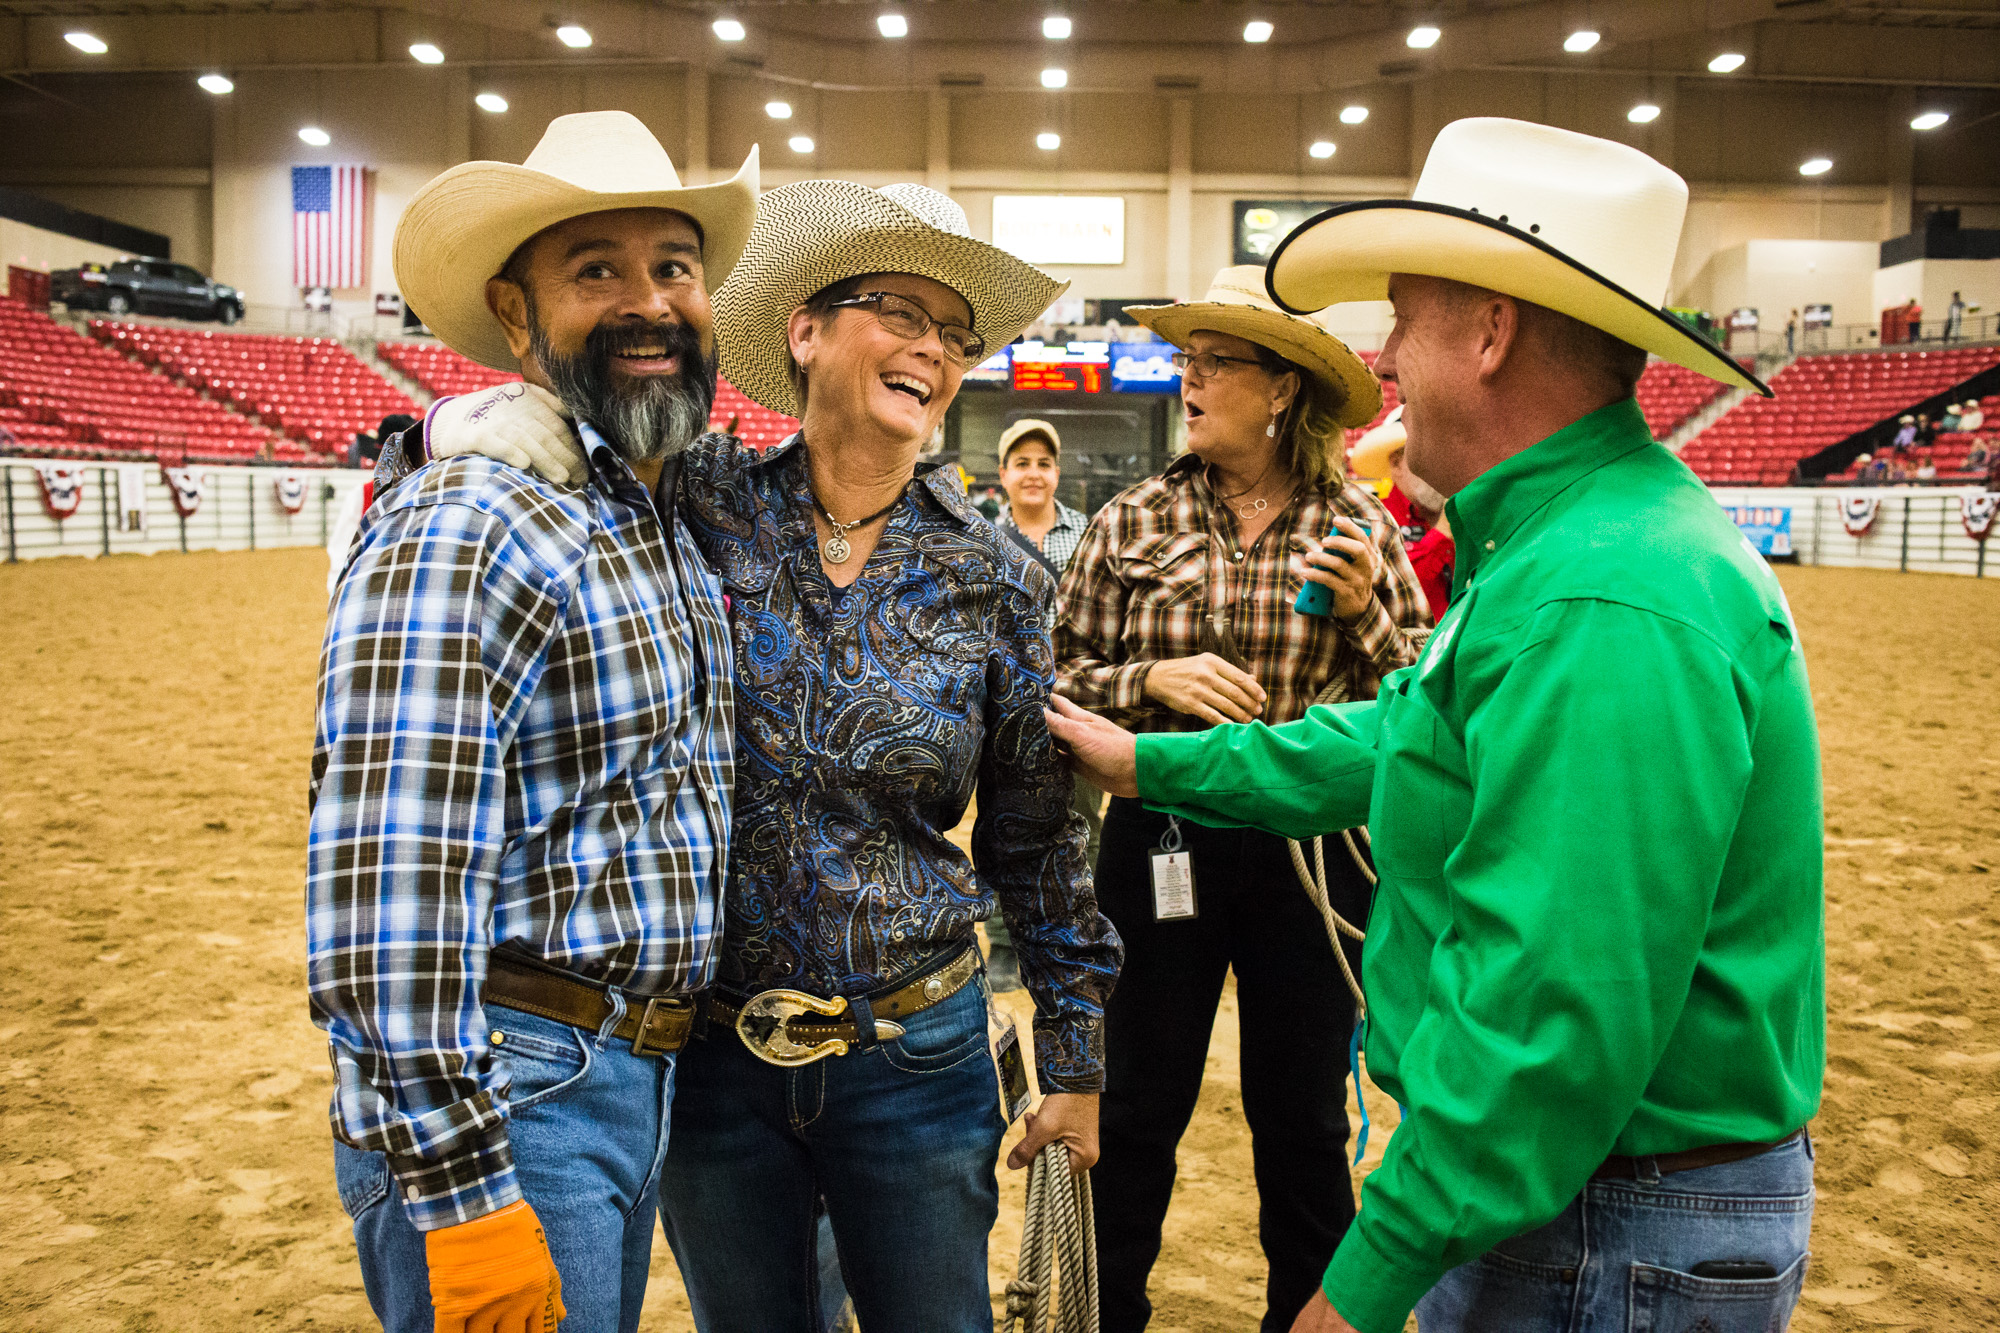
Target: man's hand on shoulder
[[522, 425]]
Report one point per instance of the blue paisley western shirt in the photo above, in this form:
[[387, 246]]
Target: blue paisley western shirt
[[867, 718]]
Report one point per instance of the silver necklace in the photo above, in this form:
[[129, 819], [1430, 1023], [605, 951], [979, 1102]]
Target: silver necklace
[[836, 549]]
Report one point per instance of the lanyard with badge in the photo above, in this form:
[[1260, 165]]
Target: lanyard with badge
[[1173, 876]]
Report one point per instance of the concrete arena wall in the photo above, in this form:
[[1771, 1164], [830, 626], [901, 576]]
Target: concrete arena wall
[[240, 512], [1916, 529]]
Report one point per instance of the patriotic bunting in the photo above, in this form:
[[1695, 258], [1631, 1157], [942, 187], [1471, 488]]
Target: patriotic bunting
[[291, 491], [1857, 513], [188, 485], [62, 489], [1976, 512]]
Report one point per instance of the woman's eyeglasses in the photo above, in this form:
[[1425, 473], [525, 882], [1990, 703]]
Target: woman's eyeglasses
[[906, 319], [1207, 365]]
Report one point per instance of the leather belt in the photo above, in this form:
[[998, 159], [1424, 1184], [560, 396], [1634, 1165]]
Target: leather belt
[[791, 1027], [1666, 1163], [654, 1026]]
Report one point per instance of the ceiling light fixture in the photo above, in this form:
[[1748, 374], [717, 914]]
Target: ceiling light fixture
[[1056, 28], [1055, 78], [1579, 42], [573, 36], [893, 25], [88, 43], [1256, 30], [1353, 115], [729, 30], [1322, 149], [1727, 63], [427, 54], [215, 83], [493, 102], [1643, 114], [1048, 142], [1818, 166], [778, 110], [801, 143], [1424, 38], [315, 136], [1930, 120]]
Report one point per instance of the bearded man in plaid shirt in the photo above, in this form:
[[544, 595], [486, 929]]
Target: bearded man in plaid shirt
[[522, 772]]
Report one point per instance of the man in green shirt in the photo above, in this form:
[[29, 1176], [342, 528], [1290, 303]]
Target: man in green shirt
[[1594, 966]]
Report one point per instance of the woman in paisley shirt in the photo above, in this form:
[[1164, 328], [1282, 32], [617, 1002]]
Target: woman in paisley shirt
[[892, 659]]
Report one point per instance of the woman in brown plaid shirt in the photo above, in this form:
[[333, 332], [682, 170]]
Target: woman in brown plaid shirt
[[1177, 613]]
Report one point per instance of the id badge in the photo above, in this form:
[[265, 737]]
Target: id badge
[[1173, 876], [1011, 1065]]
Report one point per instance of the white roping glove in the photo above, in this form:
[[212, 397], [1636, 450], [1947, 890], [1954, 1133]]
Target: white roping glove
[[519, 424]]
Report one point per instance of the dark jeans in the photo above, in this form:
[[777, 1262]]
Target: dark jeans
[[1296, 1017], [900, 1140]]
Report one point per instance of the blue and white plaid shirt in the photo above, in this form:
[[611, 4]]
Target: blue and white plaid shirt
[[524, 739]]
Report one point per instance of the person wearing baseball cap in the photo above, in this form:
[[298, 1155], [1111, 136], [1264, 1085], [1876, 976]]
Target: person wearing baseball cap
[[1595, 963]]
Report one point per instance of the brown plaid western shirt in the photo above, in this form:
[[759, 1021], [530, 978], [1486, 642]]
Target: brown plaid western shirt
[[1162, 573]]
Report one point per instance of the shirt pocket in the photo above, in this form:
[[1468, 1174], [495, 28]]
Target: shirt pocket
[[1165, 572], [1422, 804]]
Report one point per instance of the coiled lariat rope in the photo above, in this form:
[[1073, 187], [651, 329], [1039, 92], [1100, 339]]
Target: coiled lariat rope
[[1058, 1251], [1314, 880]]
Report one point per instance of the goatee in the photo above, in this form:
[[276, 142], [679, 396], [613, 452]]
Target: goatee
[[646, 417]]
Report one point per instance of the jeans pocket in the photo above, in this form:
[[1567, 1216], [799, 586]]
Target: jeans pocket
[[540, 1058], [1662, 1300], [361, 1177], [942, 1036]]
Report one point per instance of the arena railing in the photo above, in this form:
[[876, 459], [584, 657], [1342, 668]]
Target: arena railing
[[1915, 531], [1768, 341]]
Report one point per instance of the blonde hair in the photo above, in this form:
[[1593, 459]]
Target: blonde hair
[[1311, 441]]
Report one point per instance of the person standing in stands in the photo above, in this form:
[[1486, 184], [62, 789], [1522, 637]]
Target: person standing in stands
[[1791, 332], [1414, 503], [1954, 316], [1596, 964], [1178, 613], [521, 779], [1049, 530]]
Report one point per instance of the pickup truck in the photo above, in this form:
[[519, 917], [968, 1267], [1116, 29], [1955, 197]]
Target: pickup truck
[[146, 286]]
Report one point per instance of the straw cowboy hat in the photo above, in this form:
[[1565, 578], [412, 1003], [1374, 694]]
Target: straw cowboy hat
[[1369, 458], [1583, 226], [812, 234], [461, 228], [1236, 303]]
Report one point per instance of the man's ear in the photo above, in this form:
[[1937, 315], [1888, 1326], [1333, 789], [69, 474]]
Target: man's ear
[[1497, 332], [509, 305]]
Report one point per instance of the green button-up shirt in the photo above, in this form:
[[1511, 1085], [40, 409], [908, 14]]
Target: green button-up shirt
[[1595, 801]]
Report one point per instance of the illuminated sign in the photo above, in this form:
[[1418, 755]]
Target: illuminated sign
[[1144, 368], [991, 371], [1060, 228], [1262, 223], [1081, 367]]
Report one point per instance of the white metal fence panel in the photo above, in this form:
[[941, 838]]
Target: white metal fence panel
[[1916, 529]]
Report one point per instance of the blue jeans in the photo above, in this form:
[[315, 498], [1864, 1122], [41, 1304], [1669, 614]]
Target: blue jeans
[[587, 1121], [1618, 1259], [900, 1139]]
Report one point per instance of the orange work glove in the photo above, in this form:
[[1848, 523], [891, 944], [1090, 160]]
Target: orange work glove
[[494, 1275]]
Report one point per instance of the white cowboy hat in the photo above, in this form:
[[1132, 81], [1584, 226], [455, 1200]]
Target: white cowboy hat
[[1369, 458], [461, 227], [1583, 226], [1236, 303], [812, 234]]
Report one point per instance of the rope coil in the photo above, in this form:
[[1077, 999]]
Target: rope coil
[[1058, 1251]]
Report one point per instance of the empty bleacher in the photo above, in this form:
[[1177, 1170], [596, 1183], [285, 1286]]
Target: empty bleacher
[[1822, 400], [1670, 394], [63, 396], [313, 389]]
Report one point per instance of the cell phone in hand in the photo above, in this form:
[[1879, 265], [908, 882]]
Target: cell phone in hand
[[1316, 599]]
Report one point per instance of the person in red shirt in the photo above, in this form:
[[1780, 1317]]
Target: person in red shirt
[[1417, 506]]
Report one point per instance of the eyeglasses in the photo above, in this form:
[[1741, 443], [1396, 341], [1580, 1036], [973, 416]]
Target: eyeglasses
[[1207, 365], [906, 319]]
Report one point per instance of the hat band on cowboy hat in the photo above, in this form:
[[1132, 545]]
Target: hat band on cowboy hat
[[462, 226], [1237, 304], [1583, 226], [812, 234]]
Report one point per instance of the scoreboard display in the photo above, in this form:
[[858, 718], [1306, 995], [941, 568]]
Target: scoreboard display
[[1070, 376]]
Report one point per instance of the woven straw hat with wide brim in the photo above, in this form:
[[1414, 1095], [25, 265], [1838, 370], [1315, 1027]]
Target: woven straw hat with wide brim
[[812, 234], [1369, 458], [461, 228], [1580, 225], [1236, 303]]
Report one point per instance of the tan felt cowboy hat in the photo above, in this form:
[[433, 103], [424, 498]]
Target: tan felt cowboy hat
[[1236, 304], [1583, 226], [1369, 458], [461, 228], [812, 234]]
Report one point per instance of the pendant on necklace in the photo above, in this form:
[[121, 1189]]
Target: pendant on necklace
[[835, 549], [1254, 508]]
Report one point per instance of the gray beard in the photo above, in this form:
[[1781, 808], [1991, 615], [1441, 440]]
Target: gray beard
[[654, 419]]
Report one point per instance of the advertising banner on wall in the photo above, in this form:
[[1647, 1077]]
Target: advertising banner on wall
[[1144, 368], [1061, 228], [1262, 223], [1768, 528]]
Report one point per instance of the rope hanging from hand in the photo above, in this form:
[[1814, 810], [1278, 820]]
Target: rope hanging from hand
[[1058, 1251]]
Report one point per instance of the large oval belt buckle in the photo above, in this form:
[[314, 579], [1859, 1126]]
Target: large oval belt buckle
[[762, 1025]]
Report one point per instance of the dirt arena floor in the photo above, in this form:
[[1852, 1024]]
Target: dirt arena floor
[[164, 1158]]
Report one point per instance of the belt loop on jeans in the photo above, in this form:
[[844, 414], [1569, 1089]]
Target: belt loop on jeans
[[612, 1019], [864, 1022]]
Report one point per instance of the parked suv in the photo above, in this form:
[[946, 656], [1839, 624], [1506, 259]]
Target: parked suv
[[147, 286]]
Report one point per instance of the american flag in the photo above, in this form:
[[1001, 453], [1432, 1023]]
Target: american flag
[[329, 226]]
